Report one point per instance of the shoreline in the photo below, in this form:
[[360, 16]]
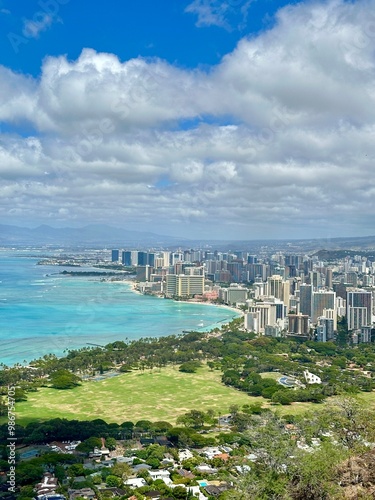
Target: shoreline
[[74, 335], [133, 287], [223, 306]]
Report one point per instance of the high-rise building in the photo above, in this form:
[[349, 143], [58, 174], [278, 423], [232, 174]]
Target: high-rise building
[[331, 314], [340, 306], [126, 258], [298, 324], [329, 278], [305, 299], [341, 289], [180, 285], [212, 266], [367, 280], [235, 268], [255, 270], [325, 329], [144, 273], [307, 266], [294, 260], [237, 294], [134, 255], [177, 257], [151, 259], [142, 259], [259, 316], [115, 255], [323, 299], [291, 271], [279, 288], [315, 279], [190, 270], [166, 258], [222, 276], [275, 286], [159, 262], [358, 308], [352, 278]]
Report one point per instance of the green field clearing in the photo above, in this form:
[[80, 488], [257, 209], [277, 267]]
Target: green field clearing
[[160, 395], [156, 395]]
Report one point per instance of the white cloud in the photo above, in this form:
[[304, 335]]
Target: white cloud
[[281, 143], [33, 27], [209, 12], [227, 14]]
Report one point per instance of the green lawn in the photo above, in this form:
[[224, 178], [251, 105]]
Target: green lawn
[[160, 395], [273, 375]]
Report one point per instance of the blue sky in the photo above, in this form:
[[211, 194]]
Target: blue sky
[[234, 119], [179, 31]]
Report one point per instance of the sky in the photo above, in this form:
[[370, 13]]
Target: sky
[[236, 119]]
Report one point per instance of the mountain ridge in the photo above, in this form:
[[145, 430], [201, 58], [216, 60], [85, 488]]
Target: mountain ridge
[[99, 235], [94, 234]]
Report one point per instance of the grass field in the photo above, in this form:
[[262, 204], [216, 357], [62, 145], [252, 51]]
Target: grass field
[[159, 395]]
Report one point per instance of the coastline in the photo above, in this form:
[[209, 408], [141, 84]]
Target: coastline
[[223, 306], [50, 314], [133, 287]]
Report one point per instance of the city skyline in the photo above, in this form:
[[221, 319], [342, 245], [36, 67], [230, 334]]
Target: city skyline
[[223, 120]]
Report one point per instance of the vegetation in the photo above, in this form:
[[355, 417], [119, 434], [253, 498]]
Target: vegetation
[[321, 455], [64, 379], [176, 388], [236, 358], [163, 394]]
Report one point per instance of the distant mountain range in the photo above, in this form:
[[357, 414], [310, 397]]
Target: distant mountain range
[[102, 235], [96, 235]]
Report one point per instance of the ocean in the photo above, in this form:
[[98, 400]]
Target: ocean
[[43, 312]]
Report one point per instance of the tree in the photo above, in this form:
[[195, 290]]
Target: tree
[[342, 331], [179, 493], [111, 443], [271, 443], [314, 472], [126, 368], [161, 427], [190, 366], [121, 470], [144, 425], [89, 444], [64, 379], [113, 481], [259, 485], [351, 423], [283, 397], [194, 419], [26, 493], [20, 395], [154, 462], [29, 472], [76, 470]]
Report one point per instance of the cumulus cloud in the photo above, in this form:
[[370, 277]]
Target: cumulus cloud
[[274, 141]]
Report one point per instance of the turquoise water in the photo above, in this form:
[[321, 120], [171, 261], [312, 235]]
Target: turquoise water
[[42, 312]]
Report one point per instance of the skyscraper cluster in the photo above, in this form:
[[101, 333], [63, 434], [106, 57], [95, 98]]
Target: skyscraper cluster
[[281, 294]]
